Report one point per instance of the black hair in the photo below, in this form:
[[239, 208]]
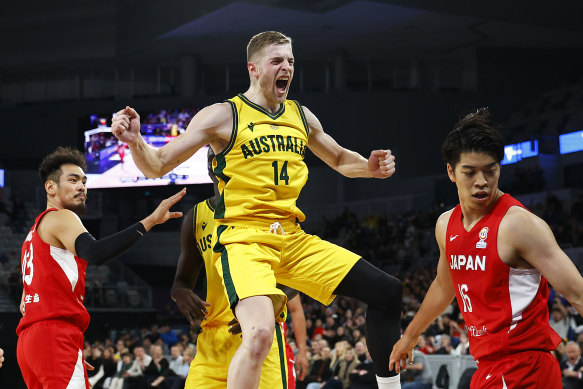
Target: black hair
[[50, 167], [475, 132]]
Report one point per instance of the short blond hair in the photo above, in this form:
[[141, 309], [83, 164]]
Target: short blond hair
[[264, 39]]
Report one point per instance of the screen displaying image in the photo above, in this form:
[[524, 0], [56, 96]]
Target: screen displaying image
[[110, 163]]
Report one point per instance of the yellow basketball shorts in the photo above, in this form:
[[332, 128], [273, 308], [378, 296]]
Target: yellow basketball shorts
[[215, 349], [251, 259]]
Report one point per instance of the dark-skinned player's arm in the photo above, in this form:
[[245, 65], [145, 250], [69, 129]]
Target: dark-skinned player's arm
[[298, 318], [188, 269]]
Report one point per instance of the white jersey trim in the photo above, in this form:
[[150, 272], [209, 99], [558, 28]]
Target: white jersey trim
[[77, 380], [523, 284], [66, 261]]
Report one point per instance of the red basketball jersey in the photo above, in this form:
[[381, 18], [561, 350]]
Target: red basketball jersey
[[54, 283], [505, 309]]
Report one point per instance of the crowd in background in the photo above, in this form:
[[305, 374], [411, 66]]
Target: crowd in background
[[338, 355]]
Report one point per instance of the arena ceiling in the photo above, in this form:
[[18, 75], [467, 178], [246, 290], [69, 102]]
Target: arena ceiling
[[69, 33]]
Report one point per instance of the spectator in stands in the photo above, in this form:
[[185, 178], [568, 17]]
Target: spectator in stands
[[572, 367], [341, 371], [463, 347], [96, 360], [119, 347], [338, 353], [134, 377], [424, 345], [446, 347], [360, 351], [168, 335], [560, 320], [362, 377], [418, 374], [320, 371], [109, 365], [178, 381], [106, 368], [124, 365], [175, 357], [158, 369]]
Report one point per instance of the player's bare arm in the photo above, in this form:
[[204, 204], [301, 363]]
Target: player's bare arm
[[440, 294], [211, 125], [380, 164], [187, 272], [525, 240]]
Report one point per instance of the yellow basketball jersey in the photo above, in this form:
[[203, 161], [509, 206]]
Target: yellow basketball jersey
[[219, 312], [262, 171]]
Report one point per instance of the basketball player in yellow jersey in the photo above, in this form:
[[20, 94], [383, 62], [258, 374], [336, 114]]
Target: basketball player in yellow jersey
[[216, 344], [259, 138]]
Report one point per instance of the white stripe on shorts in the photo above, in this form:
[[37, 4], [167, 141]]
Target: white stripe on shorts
[[77, 380]]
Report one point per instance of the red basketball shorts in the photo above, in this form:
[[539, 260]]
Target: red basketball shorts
[[527, 369], [50, 356]]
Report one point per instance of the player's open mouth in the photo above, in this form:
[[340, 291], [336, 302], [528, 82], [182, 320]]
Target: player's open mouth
[[480, 196], [281, 84]]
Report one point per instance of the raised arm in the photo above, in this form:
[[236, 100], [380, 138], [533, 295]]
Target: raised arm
[[524, 235], [210, 125], [438, 297], [380, 164], [188, 269], [64, 229]]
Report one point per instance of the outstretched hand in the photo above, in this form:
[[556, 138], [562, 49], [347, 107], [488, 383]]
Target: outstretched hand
[[125, 125], [402, 350], [191, 306], [381, 163], [163, 213]]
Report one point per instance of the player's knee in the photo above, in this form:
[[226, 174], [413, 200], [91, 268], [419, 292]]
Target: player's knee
[[388, 293], [258, 341]]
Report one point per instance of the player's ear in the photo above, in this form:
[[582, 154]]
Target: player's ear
[[450, 173], [253, 69], [50, 187]]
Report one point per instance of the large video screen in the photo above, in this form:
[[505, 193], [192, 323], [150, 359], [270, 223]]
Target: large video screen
[[110, 163]]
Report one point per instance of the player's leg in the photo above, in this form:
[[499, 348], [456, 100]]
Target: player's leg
[[255, 315], [321, 270], [274, 373], [382, 294]]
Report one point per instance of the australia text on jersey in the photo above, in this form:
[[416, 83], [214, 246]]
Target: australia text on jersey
[[463, 262], [278, 143]]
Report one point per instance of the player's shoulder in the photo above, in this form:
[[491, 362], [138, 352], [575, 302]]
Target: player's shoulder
[[518, 218], [59, 220], [61, 216], [443, 219], [218, 112]]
